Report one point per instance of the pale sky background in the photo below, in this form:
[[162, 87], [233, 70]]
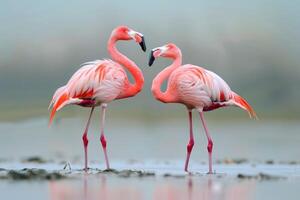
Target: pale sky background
[[252, 45]]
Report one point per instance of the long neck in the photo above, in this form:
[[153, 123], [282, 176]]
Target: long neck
[[131, 89], [161, 77]]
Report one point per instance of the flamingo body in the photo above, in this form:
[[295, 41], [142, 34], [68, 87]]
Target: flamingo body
[[99, 82], [196, 88], [96, 82], [203, 89]]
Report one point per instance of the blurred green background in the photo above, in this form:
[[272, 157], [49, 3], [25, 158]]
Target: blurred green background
[[253, 45]]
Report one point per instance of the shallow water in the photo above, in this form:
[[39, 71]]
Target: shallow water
[[264, 147], [143, 140], [166, 181], [156, 181]]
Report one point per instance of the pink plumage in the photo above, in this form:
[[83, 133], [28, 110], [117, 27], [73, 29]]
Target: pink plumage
[[101, 81], [196, 88]]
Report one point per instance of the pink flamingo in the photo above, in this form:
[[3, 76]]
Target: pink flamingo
[[99, 82], [196, 88]]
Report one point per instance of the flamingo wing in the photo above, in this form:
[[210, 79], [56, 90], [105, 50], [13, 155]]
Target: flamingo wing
[[204, 89], [100, 80], [194, 86], [224, 96]]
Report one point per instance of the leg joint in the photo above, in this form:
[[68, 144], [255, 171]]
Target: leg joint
[[85, 139], [103, 141], [210, 146], [190, 146]]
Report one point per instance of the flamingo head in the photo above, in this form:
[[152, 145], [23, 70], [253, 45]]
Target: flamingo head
[[168, 51], [125, 33]]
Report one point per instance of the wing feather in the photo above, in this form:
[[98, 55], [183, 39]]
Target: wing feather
[[94, 79], [201, 87]]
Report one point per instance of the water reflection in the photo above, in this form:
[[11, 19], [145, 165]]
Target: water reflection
[[209, 188], [90, 189], [103, 187]]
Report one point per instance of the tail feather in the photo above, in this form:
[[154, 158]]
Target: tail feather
[[242, 103], [57, 93], [58, 104]]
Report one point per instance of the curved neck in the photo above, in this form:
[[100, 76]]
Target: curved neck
[[132, 89], [161, 77]]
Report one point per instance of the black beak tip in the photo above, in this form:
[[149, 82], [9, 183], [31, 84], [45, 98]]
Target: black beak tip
[[151, 59], [143, 44]]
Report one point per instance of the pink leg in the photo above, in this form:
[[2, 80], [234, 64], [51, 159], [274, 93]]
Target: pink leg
[[86, 141], [210, 143], [191, 142], [102, 137]]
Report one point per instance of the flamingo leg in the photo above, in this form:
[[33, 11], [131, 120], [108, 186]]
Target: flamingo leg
[[210, 143], [191, 142], [102, 137], [86, 141]]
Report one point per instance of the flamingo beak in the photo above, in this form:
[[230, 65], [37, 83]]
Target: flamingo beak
[[151, 58], [138, 37], [143, 44]]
